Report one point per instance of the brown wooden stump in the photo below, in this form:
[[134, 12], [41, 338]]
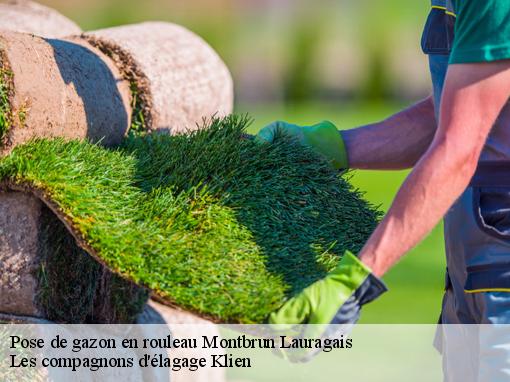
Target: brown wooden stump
[[177, 78]]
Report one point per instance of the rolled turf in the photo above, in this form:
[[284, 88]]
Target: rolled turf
[[65, 88], [30, 17], [176, 78], [211, 222]]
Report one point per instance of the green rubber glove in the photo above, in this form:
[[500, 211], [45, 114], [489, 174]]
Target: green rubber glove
[[329, 306], [323, 137]]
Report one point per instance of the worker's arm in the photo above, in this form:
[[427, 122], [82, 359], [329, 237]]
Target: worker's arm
[[472, 99], [395, 143]]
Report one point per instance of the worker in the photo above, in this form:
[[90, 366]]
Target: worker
[[458, 143]]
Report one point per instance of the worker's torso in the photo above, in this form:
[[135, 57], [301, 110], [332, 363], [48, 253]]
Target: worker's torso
[[477, 226], [437, 41]]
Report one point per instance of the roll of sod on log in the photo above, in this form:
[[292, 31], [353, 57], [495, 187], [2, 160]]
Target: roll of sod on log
[[59, 88], [215, 224], [177, 79], [30, 17]]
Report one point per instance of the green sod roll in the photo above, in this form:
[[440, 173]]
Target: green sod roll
[[5, 94], [215, 224]]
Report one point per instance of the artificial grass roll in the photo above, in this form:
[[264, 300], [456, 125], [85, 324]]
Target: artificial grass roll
[[64, 88], [30, 17], [212, 223], [177, 79]]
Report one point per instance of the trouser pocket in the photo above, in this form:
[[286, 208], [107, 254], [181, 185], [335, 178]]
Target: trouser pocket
[[492, 210], [438, 34], [488, 278]]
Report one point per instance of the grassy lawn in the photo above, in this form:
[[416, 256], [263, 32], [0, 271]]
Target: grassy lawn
[[416, 283]]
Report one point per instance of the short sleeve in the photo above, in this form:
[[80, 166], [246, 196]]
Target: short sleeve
[[482, 31]]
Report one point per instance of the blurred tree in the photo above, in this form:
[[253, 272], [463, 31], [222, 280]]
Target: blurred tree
[[377, 85], [291, 50], [303, 51]]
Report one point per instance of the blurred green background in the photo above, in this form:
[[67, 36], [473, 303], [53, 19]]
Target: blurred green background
[[349, 61]]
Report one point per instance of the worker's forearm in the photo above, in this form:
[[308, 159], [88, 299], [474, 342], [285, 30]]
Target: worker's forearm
[[473, 97], [395, 143], [422, 201]]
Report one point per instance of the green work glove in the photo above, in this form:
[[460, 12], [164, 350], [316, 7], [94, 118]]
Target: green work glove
[[323, 137], [330, 306]]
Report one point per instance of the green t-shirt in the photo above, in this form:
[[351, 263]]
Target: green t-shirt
[[482, 31]]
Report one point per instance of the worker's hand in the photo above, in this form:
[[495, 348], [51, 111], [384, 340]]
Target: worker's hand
[[329, 307], [323, 137]]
